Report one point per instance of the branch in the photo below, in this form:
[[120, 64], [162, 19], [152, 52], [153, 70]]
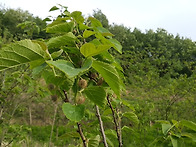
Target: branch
[[53, 122], [117, 125], [81, 135], [101, 127], [66, 97]]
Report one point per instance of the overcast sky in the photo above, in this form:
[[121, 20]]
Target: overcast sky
[[175, 16]]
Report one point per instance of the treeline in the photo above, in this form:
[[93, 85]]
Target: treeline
[[168, 54], [16, 24]]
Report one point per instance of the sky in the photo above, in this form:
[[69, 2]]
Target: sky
[[175, 16]]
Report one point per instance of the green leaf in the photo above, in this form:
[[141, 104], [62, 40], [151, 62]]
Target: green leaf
[[83, 26], [61, 27], [56, 54], [47, 19], [94, 141], [53, 8], [109, 74], [189, 124], [77, 15], [88, 33], [89, 49], [174, 141], [189, 135], [21, 52], [49, 77], [132, 117], [104, 31], [116, 45], [68, 68], [65, 40], [95, 94], [94, 22], [166, 128], [73, 112]]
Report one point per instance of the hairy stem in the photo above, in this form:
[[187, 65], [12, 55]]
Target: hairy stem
[[101, 127], [81, 134], [116, 122]]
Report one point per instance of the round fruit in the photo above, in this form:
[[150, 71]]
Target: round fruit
[[82, 83], [80, 99]]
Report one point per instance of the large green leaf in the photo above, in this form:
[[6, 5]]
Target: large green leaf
[[68, 68], [19, 53], [189, 124], [89, 49], [65, 40], [95, 94], [132, 117], [61, 27], [109, 74], [73, 112]]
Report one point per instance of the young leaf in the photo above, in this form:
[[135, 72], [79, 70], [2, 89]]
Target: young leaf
[[53, 8], [89, 49], [109, 74], [88, 33], [73, 112], [64, 27], [95, 94], [19, 53], [56, 54], [69, 69], [67, 39]]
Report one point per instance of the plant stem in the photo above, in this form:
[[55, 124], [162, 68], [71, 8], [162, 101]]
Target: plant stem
[[81, 134], [66, 97], [116, 122], [53, 122], [101, 127]]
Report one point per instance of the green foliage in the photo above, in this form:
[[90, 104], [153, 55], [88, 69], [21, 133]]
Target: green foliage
[[74, 113], [77, 66], [19, 53], [96, 95]]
